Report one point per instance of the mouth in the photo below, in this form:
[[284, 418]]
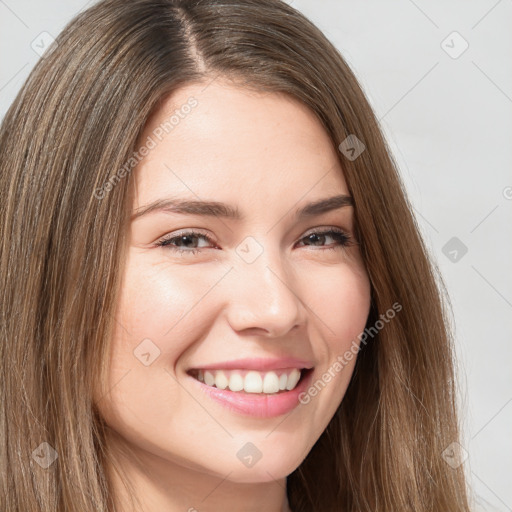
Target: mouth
[[243, 381], [256, 393]]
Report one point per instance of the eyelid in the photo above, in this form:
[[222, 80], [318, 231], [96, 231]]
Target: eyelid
[[324, 229], [188, 231]]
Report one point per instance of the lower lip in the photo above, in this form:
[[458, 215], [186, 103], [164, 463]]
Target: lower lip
[[255, 404]]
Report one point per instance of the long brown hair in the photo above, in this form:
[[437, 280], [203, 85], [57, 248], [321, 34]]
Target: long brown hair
[[75, 122]]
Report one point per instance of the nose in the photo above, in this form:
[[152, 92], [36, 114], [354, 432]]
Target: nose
[[264, 297]]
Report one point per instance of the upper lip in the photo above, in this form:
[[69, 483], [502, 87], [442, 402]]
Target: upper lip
[[258, 363]]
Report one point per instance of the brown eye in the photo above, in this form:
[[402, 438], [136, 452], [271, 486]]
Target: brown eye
[[317, 238], [184, 242]]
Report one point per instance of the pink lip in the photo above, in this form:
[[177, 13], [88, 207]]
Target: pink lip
[[257, 405], [261, 364]]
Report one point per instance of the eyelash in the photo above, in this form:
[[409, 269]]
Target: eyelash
[[344, 240]]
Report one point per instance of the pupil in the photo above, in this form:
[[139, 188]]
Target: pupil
[[185, 238], [314, 236]]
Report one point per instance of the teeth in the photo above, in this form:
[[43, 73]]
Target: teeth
[[283, 380], [236, 382], [251, 381], [209, 379], [221, 381], [293, 378], [271, 383]]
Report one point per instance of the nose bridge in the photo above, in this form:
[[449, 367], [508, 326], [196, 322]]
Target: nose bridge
[[265, 296]]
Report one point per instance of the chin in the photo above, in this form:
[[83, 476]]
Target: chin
[[259, 473], [274, 464]]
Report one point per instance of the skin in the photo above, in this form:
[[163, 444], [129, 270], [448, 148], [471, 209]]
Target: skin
[[269, 155]]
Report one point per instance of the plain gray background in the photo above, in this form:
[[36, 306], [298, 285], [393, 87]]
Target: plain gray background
[[446, 112]]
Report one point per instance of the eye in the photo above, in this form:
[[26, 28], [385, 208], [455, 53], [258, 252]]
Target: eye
[[188, 240], [184, 238], [342, 238]]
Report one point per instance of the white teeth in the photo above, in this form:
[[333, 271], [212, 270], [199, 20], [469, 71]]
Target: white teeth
[[271, 383], [252, 381], [293, 378], [236, 382], [221, 381], [209, 379]]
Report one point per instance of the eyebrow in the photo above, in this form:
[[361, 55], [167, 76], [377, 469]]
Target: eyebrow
[[223, 210]]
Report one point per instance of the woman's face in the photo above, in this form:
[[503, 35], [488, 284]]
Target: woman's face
[[243, 303]]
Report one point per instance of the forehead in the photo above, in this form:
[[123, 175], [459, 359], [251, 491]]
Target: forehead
[[216, 139]]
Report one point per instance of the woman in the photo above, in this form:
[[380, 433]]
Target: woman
[[223, 302]]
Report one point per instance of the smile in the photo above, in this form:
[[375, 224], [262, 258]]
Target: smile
[[250, 381], [252, 392]]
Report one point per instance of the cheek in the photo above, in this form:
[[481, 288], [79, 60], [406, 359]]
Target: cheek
[[156, 307], [341, 303], [156, 296], [162, 301], [155, 312]]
